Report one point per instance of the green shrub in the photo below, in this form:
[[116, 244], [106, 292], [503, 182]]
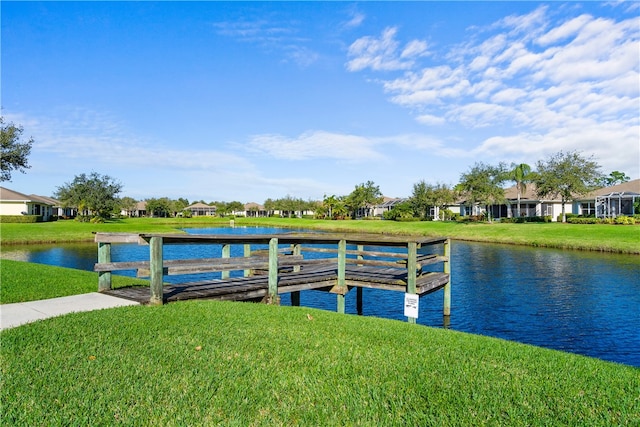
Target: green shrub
[[624, 220], [22, 219], [523, 219], [583, 220]]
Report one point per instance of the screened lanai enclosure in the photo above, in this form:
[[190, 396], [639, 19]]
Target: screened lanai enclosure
[[617, 203]]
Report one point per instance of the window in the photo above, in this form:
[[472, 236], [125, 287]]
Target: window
[[588, 208]]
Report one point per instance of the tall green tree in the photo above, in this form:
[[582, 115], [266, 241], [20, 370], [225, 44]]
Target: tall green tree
[[615, 177], [15, 151], [179, 204], [566, 175], [234, 206], [443, 196], [128, 204], [331, 204], [160, 207], [366, 194], [521, 174], [421, 199], [482, 185], [95, 193]]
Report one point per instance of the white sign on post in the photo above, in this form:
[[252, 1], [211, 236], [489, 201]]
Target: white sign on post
[[411, 302]]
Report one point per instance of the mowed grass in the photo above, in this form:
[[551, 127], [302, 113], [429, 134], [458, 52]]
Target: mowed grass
[[224, 363], [595, 237], [23, 281]]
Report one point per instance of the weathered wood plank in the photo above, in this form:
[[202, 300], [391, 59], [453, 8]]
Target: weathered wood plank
[[104, 256], [116, 238], [155, 259]]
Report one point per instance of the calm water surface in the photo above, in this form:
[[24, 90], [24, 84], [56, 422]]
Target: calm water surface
[[581, 302]]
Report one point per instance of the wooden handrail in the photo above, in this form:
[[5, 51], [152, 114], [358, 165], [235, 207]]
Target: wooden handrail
[[410, 258]]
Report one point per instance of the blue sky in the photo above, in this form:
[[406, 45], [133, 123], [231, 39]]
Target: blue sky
[[248, 101]]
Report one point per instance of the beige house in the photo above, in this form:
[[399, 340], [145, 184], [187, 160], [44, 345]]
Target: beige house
[[15, 203], [609, 202], [252, 210], [140, 210], [201, 209]]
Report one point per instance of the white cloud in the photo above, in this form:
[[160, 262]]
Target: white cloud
[[317, 145], [271, 35], [538, 84], [414, 48], [99, 140], [430, 119], [357, 18], [314, 145], [564, 31], [383, 53]]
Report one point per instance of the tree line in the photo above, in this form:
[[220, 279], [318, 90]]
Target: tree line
[[563, 175]]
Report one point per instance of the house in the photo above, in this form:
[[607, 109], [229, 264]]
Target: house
[[530, 205], [252, 210], [201, 209], [387, 204], [604, 202], [609, 202], [138, 211], [15, 203]]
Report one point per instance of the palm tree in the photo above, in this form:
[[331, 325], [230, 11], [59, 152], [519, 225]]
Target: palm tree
[[521, 174]]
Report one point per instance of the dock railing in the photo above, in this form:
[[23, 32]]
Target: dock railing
[[292, 262]]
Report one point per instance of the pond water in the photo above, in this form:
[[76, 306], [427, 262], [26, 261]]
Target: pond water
[[581, 302]]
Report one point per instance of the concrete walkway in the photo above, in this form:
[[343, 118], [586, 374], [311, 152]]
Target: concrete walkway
[[12, 315]]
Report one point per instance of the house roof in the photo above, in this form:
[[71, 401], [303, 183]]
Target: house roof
[[14, 196], [511, 193], [6, 194], [253, 205], [200, 205], [629, 187], [45, 199]]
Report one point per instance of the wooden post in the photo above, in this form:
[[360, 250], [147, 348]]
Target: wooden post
[[359, 289], [412, 249], [272, 297], [342, 265], [104, 277], [295, 296], [247, 254], [155, 265], [226, 253], [446, 310]]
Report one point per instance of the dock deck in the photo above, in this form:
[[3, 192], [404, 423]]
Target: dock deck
[[375, 263]]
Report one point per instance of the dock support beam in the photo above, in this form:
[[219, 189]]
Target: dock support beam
[[272, 296], [446, 311], [155, 265], [226, 253], [247, 254], [342, 266], [295, 295], [104, 277], [412, 265]]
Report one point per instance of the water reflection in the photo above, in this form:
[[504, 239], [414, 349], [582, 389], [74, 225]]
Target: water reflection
[[582, 302]]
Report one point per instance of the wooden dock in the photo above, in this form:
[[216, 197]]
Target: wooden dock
[[392, 263]]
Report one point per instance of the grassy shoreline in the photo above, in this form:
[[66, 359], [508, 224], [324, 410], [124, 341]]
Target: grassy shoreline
[[224, 363], [255, 364], [592, 237]]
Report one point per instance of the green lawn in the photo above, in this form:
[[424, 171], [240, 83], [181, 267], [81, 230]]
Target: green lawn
[[24, 281], [223, 363], [597, 237]]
